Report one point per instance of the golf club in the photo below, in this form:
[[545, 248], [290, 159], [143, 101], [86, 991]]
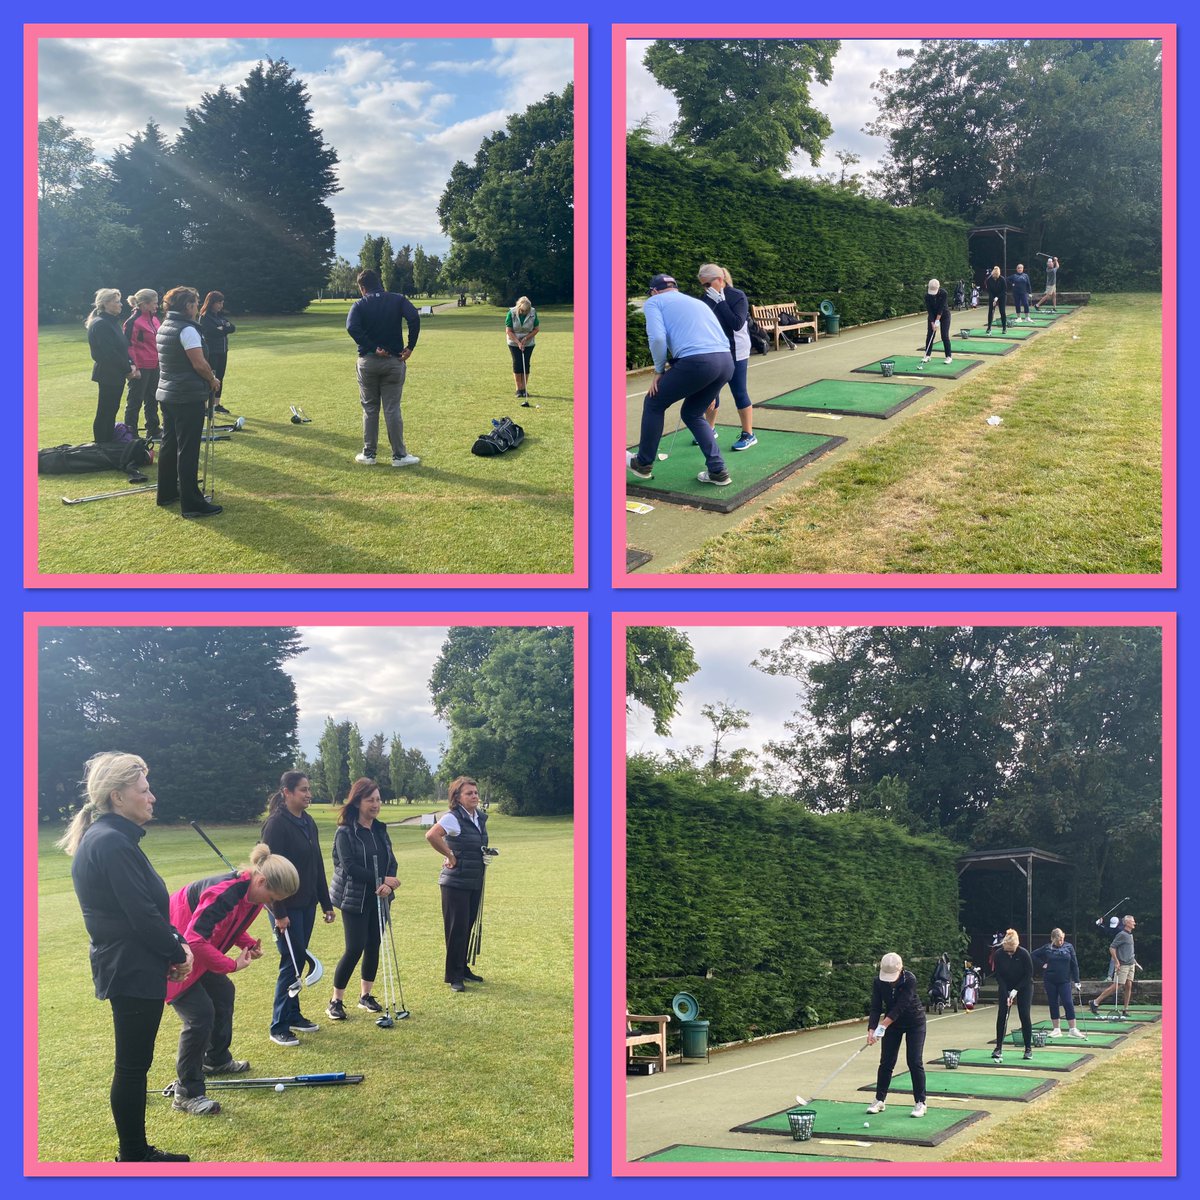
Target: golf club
[[298, 415], [393, 1008], [238, 423], [830, 1077], [134, 491], [208, 445], [928, 346], [525, 370], [475, 941], [664, 457], [298, 983], [331, 1079], [999, 1053]]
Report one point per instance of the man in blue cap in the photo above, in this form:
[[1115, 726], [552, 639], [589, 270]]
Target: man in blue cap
[[683, 334]]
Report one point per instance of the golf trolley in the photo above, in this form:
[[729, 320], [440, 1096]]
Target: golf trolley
[[941, 988]]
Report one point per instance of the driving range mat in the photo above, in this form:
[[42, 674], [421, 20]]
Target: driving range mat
[[986, 345], [636, 558], [1104, 1041], [910, 364], [973, 1085], [778, 454], [1042, 1060], [850, 397], [1152, 1009], [1014, 333], [683, 1153], [848, 1120], [1108, 1017]]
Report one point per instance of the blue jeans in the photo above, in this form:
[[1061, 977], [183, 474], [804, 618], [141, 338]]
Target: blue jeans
[[300, 927], [1060, 993], [696, 381]]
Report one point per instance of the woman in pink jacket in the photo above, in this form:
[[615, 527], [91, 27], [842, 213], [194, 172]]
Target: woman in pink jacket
[[141, 328], [215, 915]]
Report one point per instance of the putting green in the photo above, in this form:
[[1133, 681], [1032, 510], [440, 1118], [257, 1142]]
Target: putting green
[[992, 1085], [1014, 333], [853, 397], [910, 364], [1105, 1040], [779, 452], [848, 1119], [687, 1153], [993, 345], [1042, 1060]]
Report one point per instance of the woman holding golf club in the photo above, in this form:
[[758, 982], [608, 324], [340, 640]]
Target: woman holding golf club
[[520, 331], [461, 838], [215, 915], [216, 328], [1061, 976], [141, 329], [731, 307], [937, 306], [364, 871], [292, 833], [109, 348], [897, 1013], [997, 290], [1014, 974], [186, 389], [135, 950]]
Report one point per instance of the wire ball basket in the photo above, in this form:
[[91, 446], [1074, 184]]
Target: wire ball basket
[[801, 1121]]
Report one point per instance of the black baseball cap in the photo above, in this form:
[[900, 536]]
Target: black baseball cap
[[661, 282]]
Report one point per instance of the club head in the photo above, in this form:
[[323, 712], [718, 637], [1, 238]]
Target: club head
[[385, 1022], [239, 423], [800, 1099], [403, 1015], [296, 420], [294, 989], [663, 457]]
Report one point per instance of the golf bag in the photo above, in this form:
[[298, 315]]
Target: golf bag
[[505, 435], [941, 990], [759, 342], [972, 980], [95, 456]]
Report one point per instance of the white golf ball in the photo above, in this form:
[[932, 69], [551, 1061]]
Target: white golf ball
[[279, 1087], [866, 1124]]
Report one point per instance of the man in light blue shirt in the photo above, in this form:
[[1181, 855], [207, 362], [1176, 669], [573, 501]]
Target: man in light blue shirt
[[684, 335]]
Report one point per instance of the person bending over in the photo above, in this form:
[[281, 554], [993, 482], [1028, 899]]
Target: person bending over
[[731, 307], [520, 332], [1014, 975], [897, 1014], [997, 290], [937, 306]]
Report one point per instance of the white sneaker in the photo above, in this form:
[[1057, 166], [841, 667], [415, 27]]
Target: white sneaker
[[949, 359], [918, 1110], [367, 460], [1055, 1033], [876, 1106], [1077, 1033], [925, 359], [406, 460]]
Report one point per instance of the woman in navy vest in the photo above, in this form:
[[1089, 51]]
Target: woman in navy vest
[[186, 387], [897, 1013], [461, 838]]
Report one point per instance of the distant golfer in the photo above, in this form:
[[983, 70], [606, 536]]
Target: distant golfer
[[1051, 293], [461, 838], [1022, 288], [685, 335], [215, 916], [937, 306], [112, 363], [216, 328], [375, 323], [732, 309], [1060, 978], [141, 331], [134, 949], [1014, 976], [1124, 963], [897, 1013], [997, 290], [520, 332]]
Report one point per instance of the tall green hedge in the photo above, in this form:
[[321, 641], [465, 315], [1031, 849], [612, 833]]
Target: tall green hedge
[[783, 240], [771, 916]]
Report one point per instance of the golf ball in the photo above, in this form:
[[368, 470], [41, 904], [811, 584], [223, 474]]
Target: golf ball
[[866, 1124], [279, 1087]]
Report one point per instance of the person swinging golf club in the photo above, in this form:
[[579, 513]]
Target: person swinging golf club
[[1014, 975], [215, 915], [937, 306], [684, 334], [1124, 963], [897, 1013]]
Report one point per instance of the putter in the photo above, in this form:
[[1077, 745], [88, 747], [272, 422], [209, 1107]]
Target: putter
[[830, 1077]]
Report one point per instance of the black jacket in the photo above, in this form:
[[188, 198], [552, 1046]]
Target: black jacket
[[732, 310], [897, 1001], [216, 330], [1014, 971], [938, 306], [354, 878], [125, 910], [110, 349], [298, 841], [997, 287]]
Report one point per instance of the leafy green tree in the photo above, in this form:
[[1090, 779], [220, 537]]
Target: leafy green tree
[[211, 709], [658, 662], [387, 264], [402, 271], [746, 100], [331, 764], [368, 254], [420, 775], [356, 763], [342, 277], [427, 270]]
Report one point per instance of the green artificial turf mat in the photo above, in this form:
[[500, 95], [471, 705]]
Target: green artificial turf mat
[[1085, 1014], [778, 453], [1014, 333], [852, 397], [973, 1085], [1146, 1008], [636, 558], [682, 1152], [848, 1119], [910, 364], [1105, 1039], [1042, 1060], [992, 346]]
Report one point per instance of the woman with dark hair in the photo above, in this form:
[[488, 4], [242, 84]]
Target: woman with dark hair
[[141, 330], [1014, 975], [135, 951], [461, 838], [292, 833], [186, 387], [364, 867], [109, 348], [897, 1014], [216, 329], [997, 290]]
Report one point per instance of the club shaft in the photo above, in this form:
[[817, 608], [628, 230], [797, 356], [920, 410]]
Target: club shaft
[[833, 1075], [213, 845], [135, 491]]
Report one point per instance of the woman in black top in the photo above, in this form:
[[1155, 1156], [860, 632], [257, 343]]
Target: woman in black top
[[997, 290], [937, 305], [216, 329], [897, 1012], [134, 948], [110, 353], [292, 833], [364, 868], [1014, 974]]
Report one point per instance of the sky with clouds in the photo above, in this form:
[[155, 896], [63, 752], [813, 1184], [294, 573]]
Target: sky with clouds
[[847, 100], [399, 112]]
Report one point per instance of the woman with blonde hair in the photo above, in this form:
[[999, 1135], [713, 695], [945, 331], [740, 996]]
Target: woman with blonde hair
[[997, 290], [135, 950], [1014, 975], [731, 307], [110, 355], [520, 331], [141, 331], [215, 915], [1057, 959]]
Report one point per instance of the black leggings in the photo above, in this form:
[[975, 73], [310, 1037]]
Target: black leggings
[[1022, 1004], [914, 1047], [361, 931], [459, 908], [108, 404], [135, 1024], [930, 334], [520, 359], [1002, 301]]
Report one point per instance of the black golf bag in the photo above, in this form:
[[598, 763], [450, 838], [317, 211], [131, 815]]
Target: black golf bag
[[95, 456], [972, 981], [505, 435], [759, 342], [941, 988]]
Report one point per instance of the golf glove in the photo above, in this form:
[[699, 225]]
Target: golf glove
[[1013, 994]]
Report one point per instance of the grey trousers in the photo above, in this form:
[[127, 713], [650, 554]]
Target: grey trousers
[[206, 1010], [380, 385]]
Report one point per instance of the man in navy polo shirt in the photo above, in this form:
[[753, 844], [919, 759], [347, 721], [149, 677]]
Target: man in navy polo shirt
[[375, 323]]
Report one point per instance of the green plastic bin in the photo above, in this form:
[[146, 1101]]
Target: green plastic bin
[[833, 324], [695, 1039]]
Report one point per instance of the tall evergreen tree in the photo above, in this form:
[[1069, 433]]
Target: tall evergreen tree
[[368, 254], [402, 271], [376, 765], [356, 763], [330, 762], [398, 766], [387, 264]]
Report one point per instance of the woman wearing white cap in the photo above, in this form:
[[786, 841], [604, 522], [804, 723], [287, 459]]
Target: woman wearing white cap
[[897, 1012], [937, 305]]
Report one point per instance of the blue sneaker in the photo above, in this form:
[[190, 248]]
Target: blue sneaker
[[745, 442]]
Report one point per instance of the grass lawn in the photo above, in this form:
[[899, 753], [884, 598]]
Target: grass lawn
[[1069, 483], [487, 1073], [295, 501], [1111, 1114]]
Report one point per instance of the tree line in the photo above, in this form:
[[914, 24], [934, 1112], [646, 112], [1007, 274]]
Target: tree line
[[402, 772], [408, 270]]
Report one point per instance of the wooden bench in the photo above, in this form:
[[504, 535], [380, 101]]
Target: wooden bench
[[767, 315], [655, 1037]]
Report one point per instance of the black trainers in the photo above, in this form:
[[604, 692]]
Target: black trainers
[[997, 1055], [286, 1038], [471, 977], [209, 510], [1028, 1054], [221, 409], [370, 1003], [304, 1025], [635, 467], [1094, 1007], [235, 1066], [154, 1154], [336, 1010]]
